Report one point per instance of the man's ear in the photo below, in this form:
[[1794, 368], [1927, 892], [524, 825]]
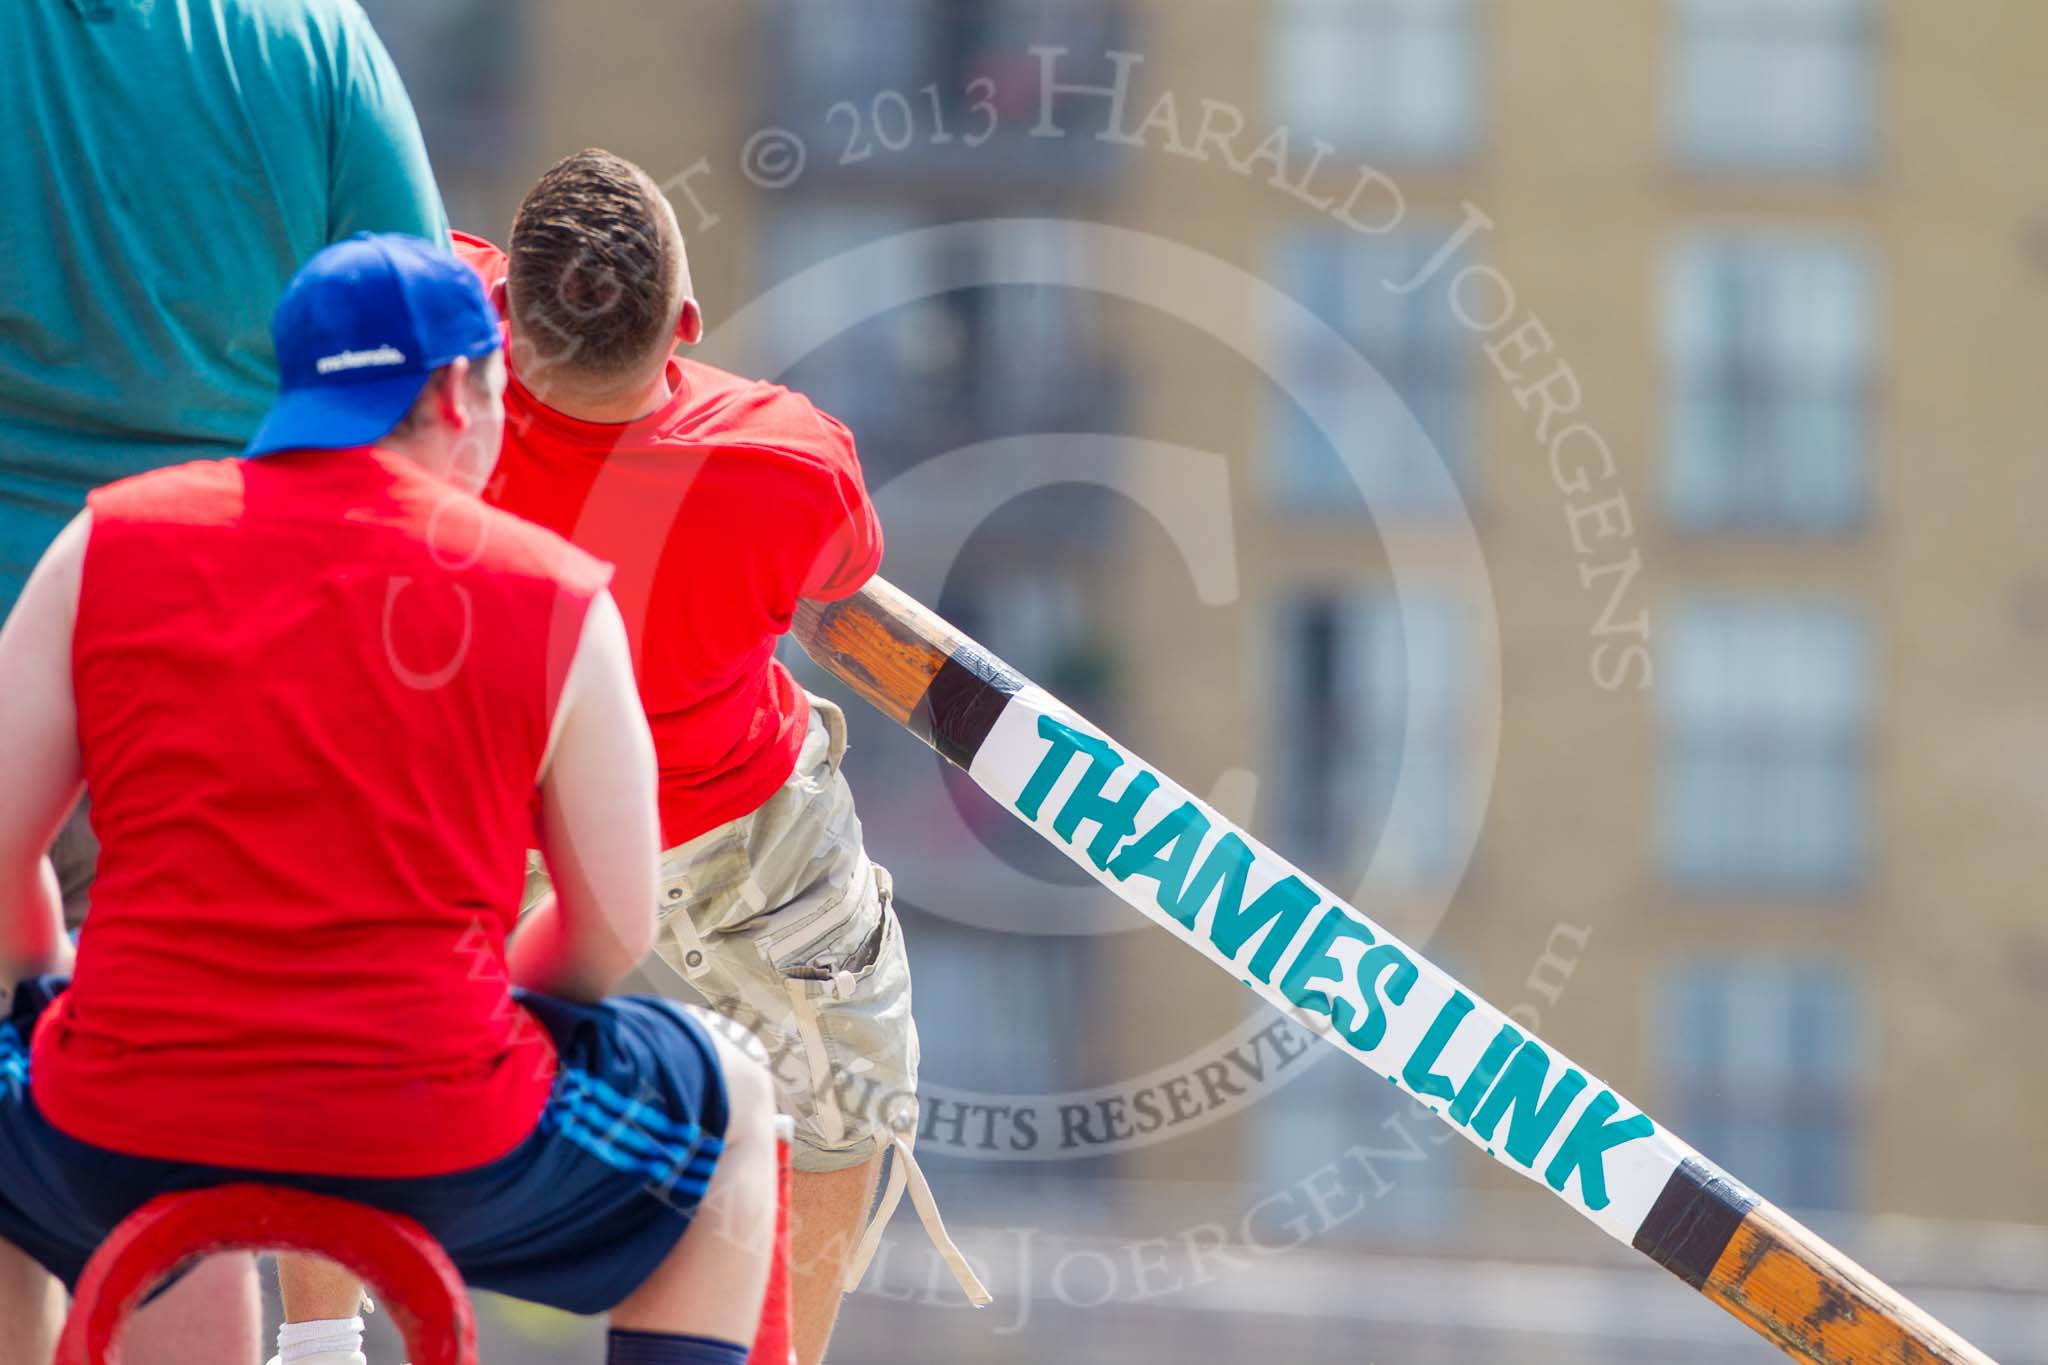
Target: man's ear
[[501, 299], [690, 323], [451, 400]]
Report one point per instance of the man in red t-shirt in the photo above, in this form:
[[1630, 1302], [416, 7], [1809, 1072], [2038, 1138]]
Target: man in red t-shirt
[[722, 501], [325, 699]]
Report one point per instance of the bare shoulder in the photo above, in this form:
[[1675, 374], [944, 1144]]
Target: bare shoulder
[[49, 601]]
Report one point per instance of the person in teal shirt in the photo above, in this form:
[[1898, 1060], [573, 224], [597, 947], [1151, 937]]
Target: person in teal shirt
[[168, 164]]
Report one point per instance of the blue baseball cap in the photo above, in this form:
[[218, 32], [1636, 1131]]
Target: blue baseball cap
[[359, 330]]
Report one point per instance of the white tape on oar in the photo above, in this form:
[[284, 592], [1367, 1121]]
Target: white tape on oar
[[1178, 862]]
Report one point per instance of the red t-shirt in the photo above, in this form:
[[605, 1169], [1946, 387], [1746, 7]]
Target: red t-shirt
[[721, 509], [314, 691]]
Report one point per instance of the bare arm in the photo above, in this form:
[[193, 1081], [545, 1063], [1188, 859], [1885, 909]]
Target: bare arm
[[39, 719], [600, 831]]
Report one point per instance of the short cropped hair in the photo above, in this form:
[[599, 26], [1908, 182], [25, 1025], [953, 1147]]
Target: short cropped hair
[[592, 272]]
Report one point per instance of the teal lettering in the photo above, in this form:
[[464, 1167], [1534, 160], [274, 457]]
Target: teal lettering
[[1115, 819], [1536, 1116], [1417, 1073], [1591, 1137], [1372, 974], [1490, 1062], [1182, 831], [1315, 960], [1284, 905], [1066, 742]]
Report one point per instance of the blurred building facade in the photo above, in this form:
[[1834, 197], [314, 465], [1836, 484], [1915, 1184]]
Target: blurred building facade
[[1712, 323]]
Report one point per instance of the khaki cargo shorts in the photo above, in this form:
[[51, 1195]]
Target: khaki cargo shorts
[[783, 925]]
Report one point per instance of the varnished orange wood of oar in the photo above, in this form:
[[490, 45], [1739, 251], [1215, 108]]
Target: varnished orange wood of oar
[[881, 643], [1816, 1304], [1409, 1021]]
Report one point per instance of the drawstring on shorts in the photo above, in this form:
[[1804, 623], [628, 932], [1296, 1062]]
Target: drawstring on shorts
[[905, 1173]]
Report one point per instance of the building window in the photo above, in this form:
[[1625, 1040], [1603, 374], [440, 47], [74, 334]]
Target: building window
[[1394, 443], [865, 360], [460, 60], [1027, 357], [915, 354], [1394, 77], [1056, 1008], [1050, 999], [1770, 349], [1766, 1062], [1044, 620], [1774, 85], [1401, 1175], [832, 51], [1766, 724], [975, 55], [1350, 667]]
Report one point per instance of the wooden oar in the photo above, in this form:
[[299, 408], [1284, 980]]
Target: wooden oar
[[1212, 885]]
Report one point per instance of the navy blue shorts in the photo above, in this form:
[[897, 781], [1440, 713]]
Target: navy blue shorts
[[575, 1217]]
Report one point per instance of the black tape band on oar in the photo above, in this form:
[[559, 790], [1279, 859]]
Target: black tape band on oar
[[1693, 1221], [960, 707]]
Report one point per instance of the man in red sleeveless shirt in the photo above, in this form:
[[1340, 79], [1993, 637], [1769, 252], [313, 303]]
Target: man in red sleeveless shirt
[[325, 698], [723, 501]]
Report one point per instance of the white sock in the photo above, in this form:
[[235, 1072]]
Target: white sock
[[328, 1341]]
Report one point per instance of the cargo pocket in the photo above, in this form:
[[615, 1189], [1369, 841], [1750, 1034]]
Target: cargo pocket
[[830, 982]]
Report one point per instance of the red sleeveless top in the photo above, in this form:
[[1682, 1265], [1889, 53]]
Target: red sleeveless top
[[314, 692]]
